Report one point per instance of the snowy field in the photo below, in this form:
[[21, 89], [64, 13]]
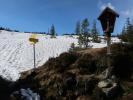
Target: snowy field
[[16, 53]]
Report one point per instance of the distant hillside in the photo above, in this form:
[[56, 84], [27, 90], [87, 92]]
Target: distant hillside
[[12, 30]]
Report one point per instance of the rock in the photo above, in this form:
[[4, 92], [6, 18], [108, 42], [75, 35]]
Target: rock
[[113, 92], [98, 94], [111, 89], [86, 87], [84, 98], [104, 84], [105, 74], [90, 85], [70, 80], [128, 97], [24, 94]]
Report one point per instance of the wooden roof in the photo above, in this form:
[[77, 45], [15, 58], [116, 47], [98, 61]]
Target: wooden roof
[[107, 9]]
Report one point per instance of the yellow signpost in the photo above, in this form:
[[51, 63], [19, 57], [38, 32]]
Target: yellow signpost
[[33, 40]]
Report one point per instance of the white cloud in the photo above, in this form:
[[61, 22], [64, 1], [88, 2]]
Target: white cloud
[[127, 13], [107, 5], [102, 5]]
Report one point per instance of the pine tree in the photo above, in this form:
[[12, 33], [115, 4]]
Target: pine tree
[[123, 35], [78, 29], [52, 31], [94, 33], [85, 33], [80, 40], [127, 32], [78, 32]]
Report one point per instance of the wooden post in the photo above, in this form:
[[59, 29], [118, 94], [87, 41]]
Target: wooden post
[[108, 35], [108, 45], [108, 57], [107, 19]]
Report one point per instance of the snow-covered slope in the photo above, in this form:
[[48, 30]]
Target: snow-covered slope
[[16, 53]]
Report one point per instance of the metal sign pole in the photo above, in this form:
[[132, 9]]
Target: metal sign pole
[[34, 56], [33, 40]]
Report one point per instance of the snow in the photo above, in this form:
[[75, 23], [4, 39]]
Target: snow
[[16, 53]]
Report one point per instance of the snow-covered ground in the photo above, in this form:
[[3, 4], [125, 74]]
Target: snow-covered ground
[[16, 53]]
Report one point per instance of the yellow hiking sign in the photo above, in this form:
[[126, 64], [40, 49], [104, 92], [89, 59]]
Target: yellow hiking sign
[[33, 39]]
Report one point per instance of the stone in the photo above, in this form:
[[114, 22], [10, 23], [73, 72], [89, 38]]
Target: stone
[[24, 94], [84, 98], [128, 97], [114, 91], [104, 84]]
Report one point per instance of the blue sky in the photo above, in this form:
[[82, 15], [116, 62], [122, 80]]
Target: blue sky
[[39, 15]]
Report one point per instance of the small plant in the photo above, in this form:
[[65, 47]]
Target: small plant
[[72, 47]]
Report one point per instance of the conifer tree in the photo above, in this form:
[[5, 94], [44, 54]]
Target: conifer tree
[[80, 40], [52, 31], [127, 32], [78, 29], [85, 33], [78, 33], [94, 33], [123, 35]]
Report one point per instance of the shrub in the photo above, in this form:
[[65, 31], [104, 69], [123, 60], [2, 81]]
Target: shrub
[[86, 63], [122, 65], [4, 89]]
